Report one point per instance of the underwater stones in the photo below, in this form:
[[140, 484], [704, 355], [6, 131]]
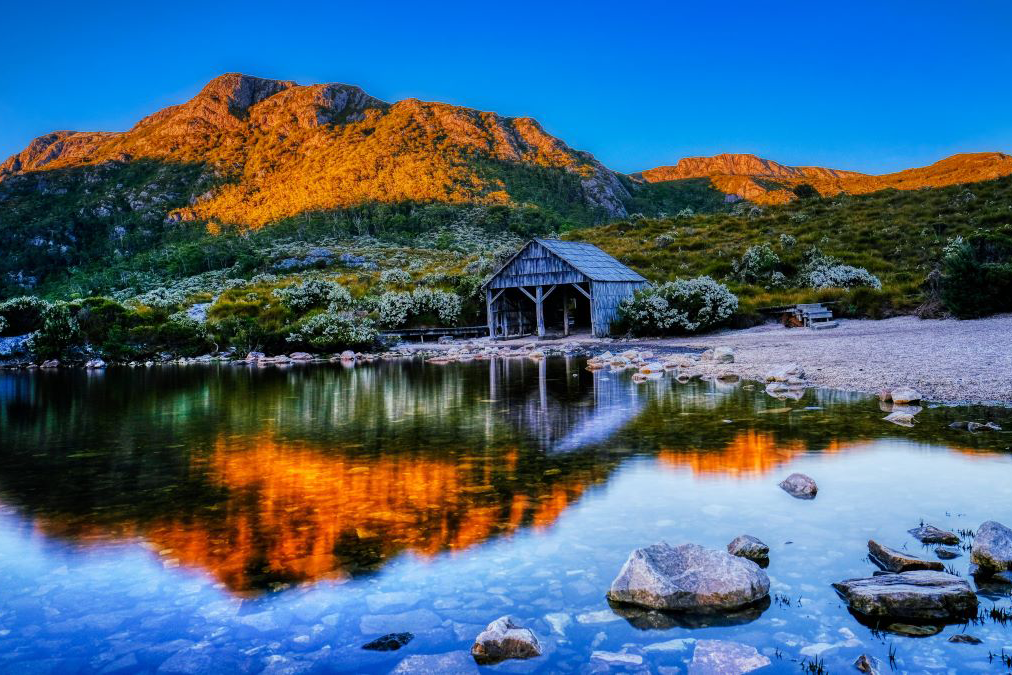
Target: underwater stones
[[913, 630], [747, 546], [868, 664], [902, 419], [688, 578], [929, 534], [723, 657], [504, 639], [416, 620], [897, 561], [389, 642], [947, 552], [992, 548], [449, 663], [800, 486], [978, 426], [964, 639], [923, 595]]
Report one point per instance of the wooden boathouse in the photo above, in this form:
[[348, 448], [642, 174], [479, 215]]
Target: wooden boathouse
[[560, 286]]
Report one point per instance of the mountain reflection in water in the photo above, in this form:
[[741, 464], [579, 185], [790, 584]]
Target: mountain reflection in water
[[274, 476]]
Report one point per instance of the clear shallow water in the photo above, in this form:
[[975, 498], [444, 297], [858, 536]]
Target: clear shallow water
[[220, 519]]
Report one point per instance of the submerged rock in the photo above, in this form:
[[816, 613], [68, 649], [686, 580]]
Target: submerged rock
[[929, 534], [646, 618], [688, 578], [868, 664], [388, 643], [800, 486], [947, 552], [992, 548], [978, 426], [900, 418], [923, 595], [450, 663], [503, 639], [723, 657], [747, 546], [964, 639], [914, 630], [897, 561]]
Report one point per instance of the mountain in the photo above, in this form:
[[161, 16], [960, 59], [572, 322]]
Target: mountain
[[272, 149], [764, 181]]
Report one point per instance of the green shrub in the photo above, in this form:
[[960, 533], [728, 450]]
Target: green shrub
[[334, 331], [977, 274], [684, 306], [59, 331], [758, 266], [313, 293], [22, 314]]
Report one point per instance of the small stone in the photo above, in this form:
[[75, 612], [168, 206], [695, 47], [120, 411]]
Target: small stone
[[723, 355], [900, 419], [947, 552], [992, 547], [905, 395], [722, 657], [897, 561], [800, 486], [504, 639], [964, 639], [868, 664], [929, 534], [747, 546], [389, 643]]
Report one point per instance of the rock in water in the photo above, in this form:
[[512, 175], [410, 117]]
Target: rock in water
[[992, 547], [799, 485], [905, 395], [929, 534], [923, 595], [964, 639], [503, 639], [900, 418], [947, 552], [95, 363], [688, 578], [450, 663], [389, 643], [897, 561], [868, 664], [722, 657], [747, 546]]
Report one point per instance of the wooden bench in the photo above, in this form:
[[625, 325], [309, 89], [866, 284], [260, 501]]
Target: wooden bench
[[815, 316]]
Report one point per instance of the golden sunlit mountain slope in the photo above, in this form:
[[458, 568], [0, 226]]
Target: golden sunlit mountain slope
[[767, 182], [278, 149]]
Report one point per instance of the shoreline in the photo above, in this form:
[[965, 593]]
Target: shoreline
[[951, 362]]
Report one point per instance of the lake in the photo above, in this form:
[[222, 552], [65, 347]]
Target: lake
[[223, 518]]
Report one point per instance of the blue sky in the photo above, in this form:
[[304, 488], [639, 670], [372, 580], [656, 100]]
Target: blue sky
[[870, 86]]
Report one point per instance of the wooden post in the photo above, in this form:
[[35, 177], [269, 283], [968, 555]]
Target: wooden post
[[488, 309], [540, 310], [565, 312]]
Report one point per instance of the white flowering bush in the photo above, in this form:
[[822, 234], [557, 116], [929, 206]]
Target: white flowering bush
[[395, 277], [684, 306], [313, 293], [396, 309], [822, 271], [787, 240], [22, 314], [757, 265], [664, 240], [179, 292], [333, 331]]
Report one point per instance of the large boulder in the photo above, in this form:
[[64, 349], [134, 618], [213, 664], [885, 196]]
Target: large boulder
[[95, 364], [503, 639], [992, 548], [747, 546], [722, 657], [723, 355], [688, 578], [800, 486], [923, 595], [788, 373], [898, 561], [929, 534]]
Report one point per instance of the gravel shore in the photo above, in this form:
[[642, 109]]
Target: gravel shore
[[948, 361]]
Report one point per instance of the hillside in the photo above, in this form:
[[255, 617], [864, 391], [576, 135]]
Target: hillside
[[764, 181]]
